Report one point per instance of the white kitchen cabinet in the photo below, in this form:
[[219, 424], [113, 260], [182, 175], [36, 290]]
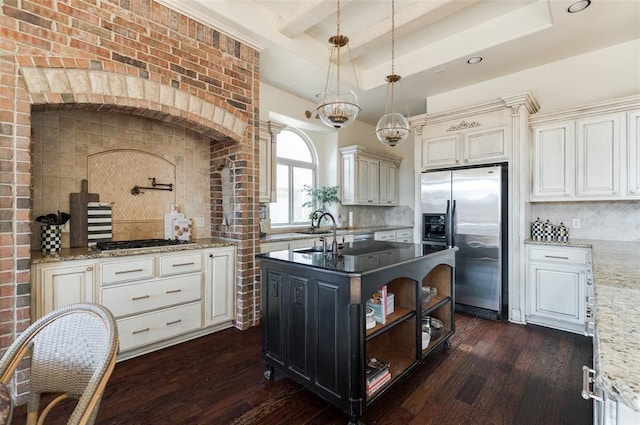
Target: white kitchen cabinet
[[368, 189], [150, 329], [389, 184], [598, 156], [61, 283], [440, 152], [553, 161], [145, 303], [219, 286], [466, 146], [267, 157], [369, 178], [402, 235], [133, 298], [157, 299], [385, 235], [556, 283], [633, 149], [586, 159]]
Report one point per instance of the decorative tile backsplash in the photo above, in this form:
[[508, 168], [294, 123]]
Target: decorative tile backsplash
[[376, 216], [116, 152], [618, 220]]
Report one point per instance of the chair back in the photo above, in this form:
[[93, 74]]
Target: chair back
[[73, 352]]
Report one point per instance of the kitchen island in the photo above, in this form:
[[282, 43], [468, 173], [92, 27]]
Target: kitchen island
[[313, 315]]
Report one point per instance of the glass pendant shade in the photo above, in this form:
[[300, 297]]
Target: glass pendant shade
[[338, 105], [392, 129], [338, 110]]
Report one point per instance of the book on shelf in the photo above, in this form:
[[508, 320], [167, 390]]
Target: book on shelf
[[379, 383], [375, 369]]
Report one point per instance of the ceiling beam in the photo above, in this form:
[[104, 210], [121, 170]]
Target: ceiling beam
[[306, 15], [419, 13]]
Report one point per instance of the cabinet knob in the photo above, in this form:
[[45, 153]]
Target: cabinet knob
[[210, 255], [89, 268]]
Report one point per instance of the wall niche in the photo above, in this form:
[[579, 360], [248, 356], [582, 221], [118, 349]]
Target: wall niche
[[115, 152]]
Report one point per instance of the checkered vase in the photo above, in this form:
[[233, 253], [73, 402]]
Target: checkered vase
[[549, 232], [562, 233], [51, 237], [537, 230]]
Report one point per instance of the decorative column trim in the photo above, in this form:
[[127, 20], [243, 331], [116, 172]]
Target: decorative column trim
[[522, 106]]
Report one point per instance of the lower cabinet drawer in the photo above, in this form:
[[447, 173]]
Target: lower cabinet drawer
[[180, 264], [144, 296], [147, 328], [126, 270], [561, 255]]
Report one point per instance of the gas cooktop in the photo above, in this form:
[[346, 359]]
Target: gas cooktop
[[139, 243]]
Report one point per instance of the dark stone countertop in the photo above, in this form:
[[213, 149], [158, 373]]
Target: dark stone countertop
[[356, 257]]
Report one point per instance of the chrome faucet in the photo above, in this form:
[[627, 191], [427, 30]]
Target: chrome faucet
[[334, 244]]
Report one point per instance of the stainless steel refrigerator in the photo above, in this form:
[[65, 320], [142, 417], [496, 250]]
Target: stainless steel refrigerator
[[467, 208]]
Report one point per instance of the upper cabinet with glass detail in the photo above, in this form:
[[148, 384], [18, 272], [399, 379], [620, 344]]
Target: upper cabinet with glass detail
[[369, 178]]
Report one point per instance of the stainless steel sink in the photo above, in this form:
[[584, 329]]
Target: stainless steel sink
[[312, 250]]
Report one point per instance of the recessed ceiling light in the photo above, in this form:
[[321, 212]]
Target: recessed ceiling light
[[474, 60], [578, 6]]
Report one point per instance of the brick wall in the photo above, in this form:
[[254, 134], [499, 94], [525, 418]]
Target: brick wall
[[136, 57]]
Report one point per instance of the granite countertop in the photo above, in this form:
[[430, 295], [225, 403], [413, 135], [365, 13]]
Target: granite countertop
[[356, 257], [324, 230], [575, 243], [616, 270], [616, 352], [85, 253]]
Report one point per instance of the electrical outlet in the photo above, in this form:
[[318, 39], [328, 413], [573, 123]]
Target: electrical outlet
[[575, 223], [66, 227], [200, 221]]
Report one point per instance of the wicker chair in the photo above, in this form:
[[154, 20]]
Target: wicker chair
[[73, 352]]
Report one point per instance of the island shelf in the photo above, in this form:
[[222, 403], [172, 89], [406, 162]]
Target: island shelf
[[313, 316]]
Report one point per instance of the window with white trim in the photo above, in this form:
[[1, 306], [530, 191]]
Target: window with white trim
[[296, 167]]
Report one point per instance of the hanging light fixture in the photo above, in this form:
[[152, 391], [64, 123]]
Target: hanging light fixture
[[338, 104], [393, 128]]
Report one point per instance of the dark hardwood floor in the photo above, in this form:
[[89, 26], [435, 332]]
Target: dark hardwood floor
[[494, 373]]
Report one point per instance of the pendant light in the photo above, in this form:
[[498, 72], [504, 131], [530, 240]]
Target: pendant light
[[338, 104], [393, 128]]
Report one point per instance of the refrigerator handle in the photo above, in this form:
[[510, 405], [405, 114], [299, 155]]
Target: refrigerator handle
[[452, 232], [447, 220]]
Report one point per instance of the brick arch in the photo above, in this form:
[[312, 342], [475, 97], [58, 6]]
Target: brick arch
[[88, 89]]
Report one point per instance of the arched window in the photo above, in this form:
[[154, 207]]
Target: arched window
[[296, 167]]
